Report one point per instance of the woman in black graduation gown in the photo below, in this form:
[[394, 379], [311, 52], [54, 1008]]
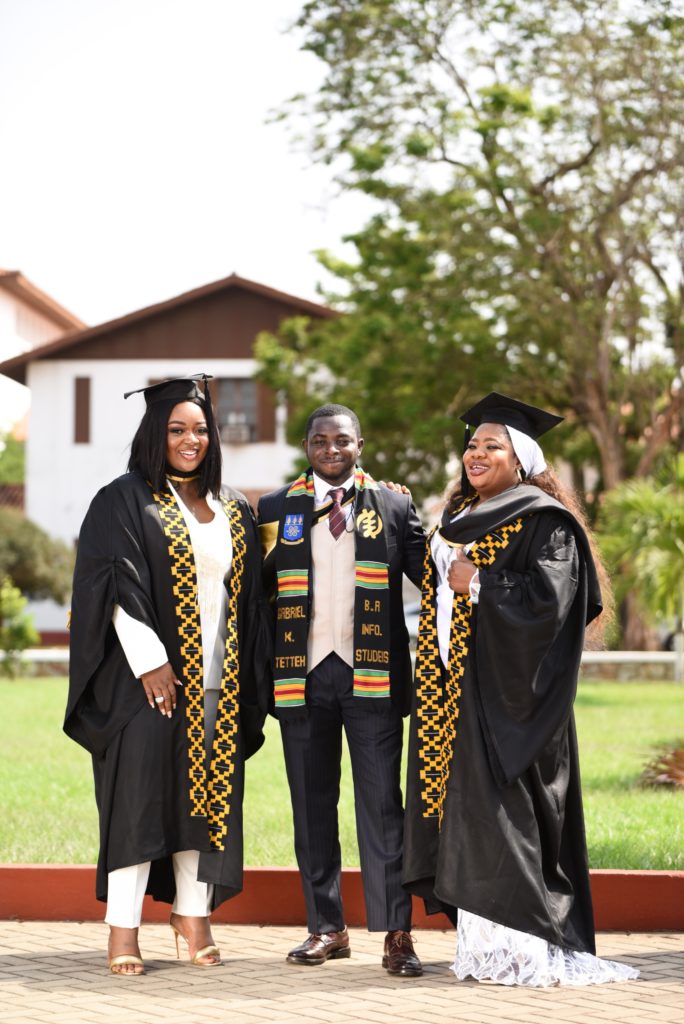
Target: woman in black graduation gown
[[494, 832], [168, 688]]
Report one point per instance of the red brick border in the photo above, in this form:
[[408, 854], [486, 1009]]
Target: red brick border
[[623, 900]]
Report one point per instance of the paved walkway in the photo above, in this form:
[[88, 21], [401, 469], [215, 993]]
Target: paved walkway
[[55, 972]]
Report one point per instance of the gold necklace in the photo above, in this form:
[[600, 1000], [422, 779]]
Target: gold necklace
[[182, 479]]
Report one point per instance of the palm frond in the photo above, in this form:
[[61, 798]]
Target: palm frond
[[666, 769]]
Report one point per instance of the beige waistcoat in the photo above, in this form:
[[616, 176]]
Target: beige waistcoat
[[331, 626]]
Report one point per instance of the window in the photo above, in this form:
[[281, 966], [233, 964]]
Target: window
[[81, 410], [237, 410]]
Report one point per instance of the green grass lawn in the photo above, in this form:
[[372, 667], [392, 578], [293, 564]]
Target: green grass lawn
[[48, 808], [619, 725]]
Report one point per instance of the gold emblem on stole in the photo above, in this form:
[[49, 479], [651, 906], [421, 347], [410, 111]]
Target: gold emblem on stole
[[369, 523]]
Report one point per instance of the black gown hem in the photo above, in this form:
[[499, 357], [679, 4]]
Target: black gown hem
[[160, 885], [424, 889], [553, 938]]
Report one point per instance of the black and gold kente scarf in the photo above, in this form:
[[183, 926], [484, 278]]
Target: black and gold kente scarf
[[437, 698], [371, 598], [212, 801]]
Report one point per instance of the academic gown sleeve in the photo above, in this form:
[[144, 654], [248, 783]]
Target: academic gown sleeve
[[269, 513], [413, 547], [111, 569], [528, 636], [256, 685]]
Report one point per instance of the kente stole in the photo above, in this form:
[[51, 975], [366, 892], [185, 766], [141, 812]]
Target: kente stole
[[294, 597], [212, 801], [437, 697]]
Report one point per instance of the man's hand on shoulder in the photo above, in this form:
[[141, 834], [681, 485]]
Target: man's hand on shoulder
[[390, 485]]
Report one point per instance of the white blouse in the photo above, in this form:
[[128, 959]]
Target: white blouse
[[212, 549]]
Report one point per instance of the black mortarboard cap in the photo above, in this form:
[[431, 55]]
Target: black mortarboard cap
[[175, 389], [496, 408]]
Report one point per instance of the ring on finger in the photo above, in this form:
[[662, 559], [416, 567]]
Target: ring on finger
[[159, 700]]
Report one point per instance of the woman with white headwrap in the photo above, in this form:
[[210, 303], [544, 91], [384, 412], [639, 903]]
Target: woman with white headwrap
[[494, 833]]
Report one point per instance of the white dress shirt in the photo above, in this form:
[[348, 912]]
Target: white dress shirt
[[322, 493]]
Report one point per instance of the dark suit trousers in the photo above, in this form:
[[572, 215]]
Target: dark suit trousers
[[313, 750]]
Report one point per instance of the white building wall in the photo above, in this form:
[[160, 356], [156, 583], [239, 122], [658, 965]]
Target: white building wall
[[62, 477], [21, 328]]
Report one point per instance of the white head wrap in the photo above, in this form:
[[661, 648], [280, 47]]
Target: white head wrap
[[528, 451]]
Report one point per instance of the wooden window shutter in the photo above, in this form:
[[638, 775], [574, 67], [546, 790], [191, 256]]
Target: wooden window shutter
[[266, 413], [82, 410]]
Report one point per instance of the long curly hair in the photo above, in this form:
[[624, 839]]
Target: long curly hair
[[549, 482]]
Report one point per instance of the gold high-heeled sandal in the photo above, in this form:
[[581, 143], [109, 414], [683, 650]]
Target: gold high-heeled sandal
[[203, 952], [120, 961]]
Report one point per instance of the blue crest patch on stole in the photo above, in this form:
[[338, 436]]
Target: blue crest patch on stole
[[293, 528]]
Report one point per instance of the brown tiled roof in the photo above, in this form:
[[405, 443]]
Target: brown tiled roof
[[16, 367], [14, 281]]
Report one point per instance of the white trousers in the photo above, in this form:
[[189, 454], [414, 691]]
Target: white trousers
[[126, 890]]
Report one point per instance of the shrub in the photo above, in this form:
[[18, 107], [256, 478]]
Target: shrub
[[35, 563], [16, 628], [12, 460]]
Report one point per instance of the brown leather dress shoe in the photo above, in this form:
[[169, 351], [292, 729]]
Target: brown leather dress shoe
[[400, 957], [319, 948]]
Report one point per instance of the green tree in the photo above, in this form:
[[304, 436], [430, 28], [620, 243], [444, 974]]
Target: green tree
[[12, 460], [16, 629], [527, 165], [393, 359], [642, 534], [35, 563]]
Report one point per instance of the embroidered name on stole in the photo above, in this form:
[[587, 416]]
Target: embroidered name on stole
[[210, 800], [371, 611], [437, 701]]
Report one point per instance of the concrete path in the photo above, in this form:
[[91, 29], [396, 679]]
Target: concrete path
[[55, 972]]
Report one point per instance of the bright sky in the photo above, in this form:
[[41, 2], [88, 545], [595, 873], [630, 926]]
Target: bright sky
[[136, 162]]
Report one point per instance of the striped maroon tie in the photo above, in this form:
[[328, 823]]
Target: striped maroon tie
[[337, 518]]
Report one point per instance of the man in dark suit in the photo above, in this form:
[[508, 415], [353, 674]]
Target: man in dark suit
[[336, 547]]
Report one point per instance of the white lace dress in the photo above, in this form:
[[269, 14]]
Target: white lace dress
[[491, 952]]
